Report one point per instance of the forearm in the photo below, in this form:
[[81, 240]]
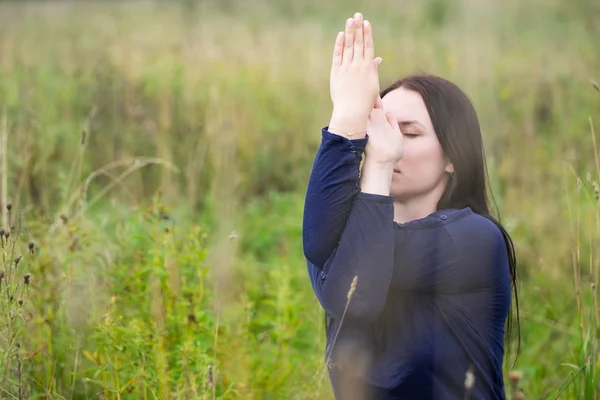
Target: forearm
[[365, 251], [332, 186], [376, 178]]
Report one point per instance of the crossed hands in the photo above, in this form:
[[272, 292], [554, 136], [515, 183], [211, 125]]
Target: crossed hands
[[354, 86]]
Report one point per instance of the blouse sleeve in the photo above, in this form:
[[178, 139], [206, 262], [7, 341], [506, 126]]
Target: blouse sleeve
[[347, 234], [332, 186], [365, 252]]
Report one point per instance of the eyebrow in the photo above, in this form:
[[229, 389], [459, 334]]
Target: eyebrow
[[401, 123]]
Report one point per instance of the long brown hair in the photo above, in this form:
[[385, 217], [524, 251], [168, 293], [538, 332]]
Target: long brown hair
[[457, 128]]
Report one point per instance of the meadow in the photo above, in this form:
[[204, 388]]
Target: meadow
[[153, 162]]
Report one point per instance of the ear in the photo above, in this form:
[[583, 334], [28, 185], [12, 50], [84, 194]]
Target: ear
[[449, 167]]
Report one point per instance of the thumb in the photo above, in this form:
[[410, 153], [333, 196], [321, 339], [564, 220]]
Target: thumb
[[377, 61], [378, 102]]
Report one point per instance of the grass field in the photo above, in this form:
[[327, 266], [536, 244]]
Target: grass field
[[155, 156]]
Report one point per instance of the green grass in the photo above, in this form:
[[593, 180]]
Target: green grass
[[177, 270]]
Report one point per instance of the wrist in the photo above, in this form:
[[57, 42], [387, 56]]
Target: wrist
[[380, 164], [376, 177], [351, 125]]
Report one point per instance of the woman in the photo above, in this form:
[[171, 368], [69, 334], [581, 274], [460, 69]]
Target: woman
[[413, 272]]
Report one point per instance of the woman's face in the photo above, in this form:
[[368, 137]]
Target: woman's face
[[423, 168]]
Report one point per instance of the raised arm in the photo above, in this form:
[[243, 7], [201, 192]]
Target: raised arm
[[332, 186], [360, 242], [365, 251], [366, 247], [334, 179]]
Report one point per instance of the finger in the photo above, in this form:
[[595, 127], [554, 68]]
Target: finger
[[358, 37], [338, 50], [375, 119], [392, 121], [348, 41], [371, 116], [369, 46], [379, 103], [376, 116]]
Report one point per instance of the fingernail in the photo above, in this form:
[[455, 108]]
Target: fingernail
[[357, 15], [349, 22], [367, 23]]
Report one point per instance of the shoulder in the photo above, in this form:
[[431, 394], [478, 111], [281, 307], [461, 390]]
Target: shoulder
[[461, 226], [468, 224], [465, 229], [475, 236], [438, 219]]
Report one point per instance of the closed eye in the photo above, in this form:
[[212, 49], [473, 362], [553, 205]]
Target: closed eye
[[411, 135]]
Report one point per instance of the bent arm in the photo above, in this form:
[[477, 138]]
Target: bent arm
[[365, 251], [332, 187]]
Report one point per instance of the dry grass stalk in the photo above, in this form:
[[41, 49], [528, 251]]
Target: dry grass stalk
[[351, 291], [4, 158], [469, 383]]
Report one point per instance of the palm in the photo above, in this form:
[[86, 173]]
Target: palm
[[354, 81], [386, 143]]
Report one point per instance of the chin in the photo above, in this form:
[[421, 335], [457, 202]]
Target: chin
[[403, 190], [398, 187], [398, 192]]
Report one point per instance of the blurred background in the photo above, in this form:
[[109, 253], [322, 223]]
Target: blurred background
[[154, 157]]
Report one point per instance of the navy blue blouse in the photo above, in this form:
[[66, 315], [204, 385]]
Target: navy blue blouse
[[431, 296]]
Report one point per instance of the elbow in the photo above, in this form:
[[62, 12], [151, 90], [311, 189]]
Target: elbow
[[353, 307], [349, 297], [363, 314], [367, 312], [314, 253], [314, 258]]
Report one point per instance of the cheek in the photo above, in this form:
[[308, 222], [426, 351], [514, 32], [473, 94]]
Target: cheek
[[422, 157]]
